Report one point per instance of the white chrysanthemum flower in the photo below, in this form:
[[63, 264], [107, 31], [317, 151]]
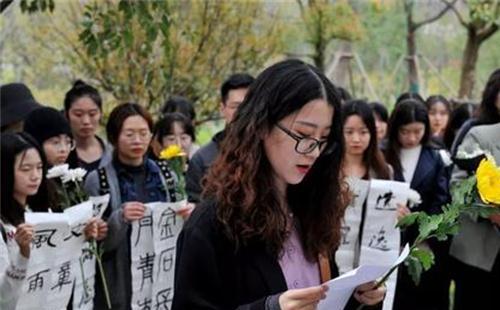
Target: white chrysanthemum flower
[[414, 197], [57, 171], [74, 175]]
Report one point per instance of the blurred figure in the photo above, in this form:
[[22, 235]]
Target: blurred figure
[[381, 118], [475, 250], [233, 92], [175, 128], [439, 110], [458, 117], [52, 131], [83, 108], [489, 110], [410, 95], [181, 105], [16, 101]]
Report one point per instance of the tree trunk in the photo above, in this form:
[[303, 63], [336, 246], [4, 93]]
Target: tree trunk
[[469, 60], [319, 55], [411, 47]]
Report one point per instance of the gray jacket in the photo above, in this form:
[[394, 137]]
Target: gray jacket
[[478, 242], [116, 257]]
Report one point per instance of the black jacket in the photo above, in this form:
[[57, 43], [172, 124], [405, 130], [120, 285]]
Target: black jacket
[[430, 180], [210, 274], [198, 167]]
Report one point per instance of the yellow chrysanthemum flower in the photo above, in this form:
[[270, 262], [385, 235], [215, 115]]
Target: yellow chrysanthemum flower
[[171, 152], [488, 181]]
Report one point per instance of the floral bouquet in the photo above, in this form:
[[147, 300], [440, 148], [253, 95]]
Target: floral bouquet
[[68, 185], [69, 188], [475, 196]]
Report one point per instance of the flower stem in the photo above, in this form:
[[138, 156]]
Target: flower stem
[[101, 270], [384, 278]]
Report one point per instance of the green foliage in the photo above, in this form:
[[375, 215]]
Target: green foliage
[[465, 202], [32, 6], [145, 51], [482, 12]]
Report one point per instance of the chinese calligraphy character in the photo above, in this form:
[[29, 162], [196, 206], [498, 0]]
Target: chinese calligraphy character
[[145, 304], [146, 221], [385, 199], [378, 241], [146, 266], [44, 236], [76, 231], [36, 281], [167, 220], [344, 230], [166, 261], [64, 276], [86, 255], [163, 299]]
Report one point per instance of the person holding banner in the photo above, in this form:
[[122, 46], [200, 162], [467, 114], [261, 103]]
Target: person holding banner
[[132, 180], [417, 163], [265, 234], [23, 167]]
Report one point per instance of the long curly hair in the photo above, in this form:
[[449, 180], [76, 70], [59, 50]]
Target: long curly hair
[[241, 179]]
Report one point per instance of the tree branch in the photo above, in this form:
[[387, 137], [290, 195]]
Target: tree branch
[[457, 13], [436, 17], [487, 32]]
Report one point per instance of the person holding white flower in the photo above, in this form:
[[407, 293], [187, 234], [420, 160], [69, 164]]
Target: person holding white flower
[[132, 180], [22, 177], [52, 132]]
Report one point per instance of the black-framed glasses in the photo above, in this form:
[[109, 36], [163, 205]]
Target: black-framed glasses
[[305, 145]]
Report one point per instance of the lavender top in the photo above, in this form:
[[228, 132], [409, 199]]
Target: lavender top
[[298, 272]]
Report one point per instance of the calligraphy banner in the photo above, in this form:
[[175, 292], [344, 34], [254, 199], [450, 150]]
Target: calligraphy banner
[[372, 235], [347, 255], [57, 243], [153, 240], [381, 237]]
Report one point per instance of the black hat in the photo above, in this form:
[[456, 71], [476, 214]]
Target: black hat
[[45, 123], [17, 102]]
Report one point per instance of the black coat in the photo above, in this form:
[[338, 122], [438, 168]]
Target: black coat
[[430, 180], [210, 274]]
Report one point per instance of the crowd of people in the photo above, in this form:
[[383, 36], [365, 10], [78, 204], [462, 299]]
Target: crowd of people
[[266, 196]]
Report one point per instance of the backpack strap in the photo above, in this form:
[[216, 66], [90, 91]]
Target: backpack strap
[[169, 179], [3, 233], [103, 181]]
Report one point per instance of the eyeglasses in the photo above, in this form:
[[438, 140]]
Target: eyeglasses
[[143, 135], [62, 144], [305, 145]]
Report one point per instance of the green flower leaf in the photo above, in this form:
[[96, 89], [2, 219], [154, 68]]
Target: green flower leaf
[[424, 256], [408, 220], [414, 268]]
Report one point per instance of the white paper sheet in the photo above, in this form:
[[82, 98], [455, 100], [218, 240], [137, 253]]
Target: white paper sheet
[[342, 287]]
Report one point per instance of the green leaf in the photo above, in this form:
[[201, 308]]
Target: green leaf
[[408, 220], [424, 256], [428, 224], [414, 268]]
